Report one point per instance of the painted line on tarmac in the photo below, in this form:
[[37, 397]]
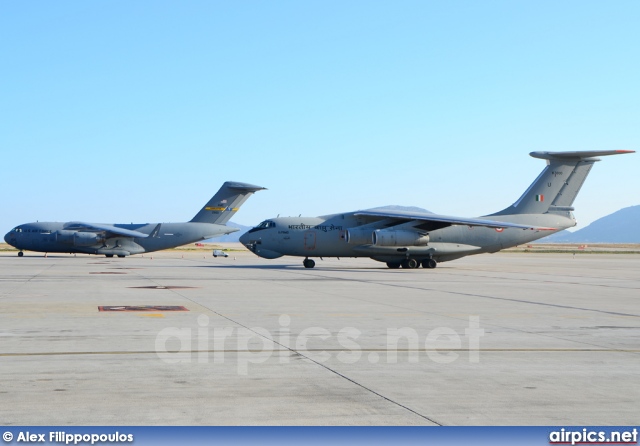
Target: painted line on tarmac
[[332, 350]]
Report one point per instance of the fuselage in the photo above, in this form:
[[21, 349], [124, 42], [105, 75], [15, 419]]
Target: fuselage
[[67, 238], [411, 239], [126, 239], [333, 236]]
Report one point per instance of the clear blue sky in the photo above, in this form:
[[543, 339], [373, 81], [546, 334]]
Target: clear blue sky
[[126, 111]]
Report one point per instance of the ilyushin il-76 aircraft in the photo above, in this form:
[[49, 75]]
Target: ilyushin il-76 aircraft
[[414, 239], [126, 239]]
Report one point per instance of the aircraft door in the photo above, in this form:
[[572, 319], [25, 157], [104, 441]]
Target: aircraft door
[[309, 240]]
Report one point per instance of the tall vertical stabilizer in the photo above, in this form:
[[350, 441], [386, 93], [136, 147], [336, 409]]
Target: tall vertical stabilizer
[[558, 184], [225, 203]]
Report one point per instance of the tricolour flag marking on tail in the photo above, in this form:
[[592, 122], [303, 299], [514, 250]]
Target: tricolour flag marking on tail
[[539, 197]]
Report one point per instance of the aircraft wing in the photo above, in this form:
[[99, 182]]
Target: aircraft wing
[[93, 227], [448, 220]]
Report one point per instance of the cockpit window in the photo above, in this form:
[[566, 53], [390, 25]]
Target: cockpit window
[[264, 225], [17, 229]]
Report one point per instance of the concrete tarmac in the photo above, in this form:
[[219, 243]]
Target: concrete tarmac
[[503, 339]]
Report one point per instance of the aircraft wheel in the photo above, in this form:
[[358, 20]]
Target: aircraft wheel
[[410, 264], [121, 256], [308, 263], [108, 255], [20, 254], [429, 263], [393, 265]]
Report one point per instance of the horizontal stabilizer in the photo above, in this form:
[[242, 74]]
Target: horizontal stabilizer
[[224, 231], [244, 187], [577, 156]]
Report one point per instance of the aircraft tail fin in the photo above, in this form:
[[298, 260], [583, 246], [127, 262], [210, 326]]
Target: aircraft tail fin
[[558, 184], [225, 203]]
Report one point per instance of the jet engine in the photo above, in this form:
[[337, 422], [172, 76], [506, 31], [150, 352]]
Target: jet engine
[[79, 238], [391, 237], [356, 236], [87, 238]]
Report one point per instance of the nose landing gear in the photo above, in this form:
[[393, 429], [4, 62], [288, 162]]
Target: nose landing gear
[[20, 253], [308, 263]]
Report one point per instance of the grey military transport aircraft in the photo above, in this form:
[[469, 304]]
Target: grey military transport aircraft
[[126, 239], [412, 239]]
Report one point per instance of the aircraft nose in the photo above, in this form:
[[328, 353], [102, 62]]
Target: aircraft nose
[[244, 239], [6, 238]]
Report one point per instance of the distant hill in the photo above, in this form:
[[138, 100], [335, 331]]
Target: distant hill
[[622, 226]]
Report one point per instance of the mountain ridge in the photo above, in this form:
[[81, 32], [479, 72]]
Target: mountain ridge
[[620, 226]]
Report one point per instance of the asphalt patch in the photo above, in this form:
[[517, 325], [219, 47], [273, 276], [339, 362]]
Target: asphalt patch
[[123, 308]]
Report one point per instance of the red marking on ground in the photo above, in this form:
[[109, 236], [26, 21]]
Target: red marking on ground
[[160, 287]]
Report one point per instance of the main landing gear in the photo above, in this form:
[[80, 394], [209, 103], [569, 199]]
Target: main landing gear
[[429, 263], [413, 264], [308, 263], [410, 264]]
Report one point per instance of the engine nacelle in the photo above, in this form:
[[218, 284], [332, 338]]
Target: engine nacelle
[[391, 237], [357, 236], [65, 236], [79, 238], [87, 239]]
